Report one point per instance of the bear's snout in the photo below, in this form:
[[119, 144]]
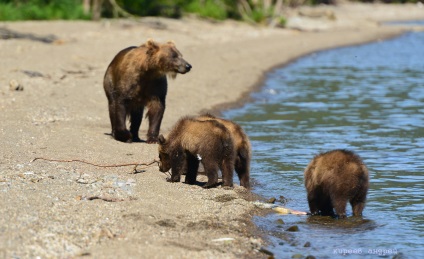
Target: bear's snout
[[161, 168], [164, 167], [184, 68]]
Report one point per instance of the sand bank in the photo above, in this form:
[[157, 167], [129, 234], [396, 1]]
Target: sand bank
[[48, 209]]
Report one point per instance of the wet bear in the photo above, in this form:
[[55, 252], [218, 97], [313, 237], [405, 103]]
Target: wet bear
[[135, 79], [191, 141], [332, 179], [241, 147]]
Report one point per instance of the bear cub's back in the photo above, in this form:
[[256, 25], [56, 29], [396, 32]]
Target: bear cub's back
[[339, 166], [204, 133]]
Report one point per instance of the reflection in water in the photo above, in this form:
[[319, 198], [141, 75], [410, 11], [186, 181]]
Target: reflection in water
[[351, 224], [369, 99]]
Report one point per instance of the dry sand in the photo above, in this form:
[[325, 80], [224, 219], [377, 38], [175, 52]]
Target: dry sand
[[45, 207]]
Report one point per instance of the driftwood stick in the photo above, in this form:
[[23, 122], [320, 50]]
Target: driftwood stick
[[108, 199], [98, 165]]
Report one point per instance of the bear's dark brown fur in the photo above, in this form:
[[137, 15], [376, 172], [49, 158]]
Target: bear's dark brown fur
[[136, 78], [190, 141], [332, 179], [241, 147]]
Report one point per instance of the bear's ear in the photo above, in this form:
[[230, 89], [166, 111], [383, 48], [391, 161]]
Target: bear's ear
[[171, 42], [161, 139], [152, 46]]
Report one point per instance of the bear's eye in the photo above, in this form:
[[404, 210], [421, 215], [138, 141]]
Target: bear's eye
[[174, 55]]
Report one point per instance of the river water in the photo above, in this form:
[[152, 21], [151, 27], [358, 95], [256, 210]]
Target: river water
[[369, 99]]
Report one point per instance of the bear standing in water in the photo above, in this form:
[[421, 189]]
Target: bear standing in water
[[191, 141], [136, 78], [332, 179], [241, 147]]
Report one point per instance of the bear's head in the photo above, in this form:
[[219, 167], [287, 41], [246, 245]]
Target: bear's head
[[166, 58], [164, 157]]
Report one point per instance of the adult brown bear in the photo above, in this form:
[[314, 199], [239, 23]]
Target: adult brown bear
[[136, 78], [332, 179], [191, 141], [241, 147]]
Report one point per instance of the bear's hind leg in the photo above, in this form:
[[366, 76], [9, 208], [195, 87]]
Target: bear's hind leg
[[357, 208], [136, 118], [227, 169], [112, 116], [339, 204], [358, 204], [120, 131], [242, 170]]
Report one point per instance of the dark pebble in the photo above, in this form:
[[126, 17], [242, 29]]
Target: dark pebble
[[271, 200], [279, 221], [293, 229], [266, 251]]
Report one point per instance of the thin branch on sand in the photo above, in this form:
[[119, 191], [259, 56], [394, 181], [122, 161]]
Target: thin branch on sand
[[154, 161], [108, 199]]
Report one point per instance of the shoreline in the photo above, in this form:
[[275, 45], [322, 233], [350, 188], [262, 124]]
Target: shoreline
[[63, 114]]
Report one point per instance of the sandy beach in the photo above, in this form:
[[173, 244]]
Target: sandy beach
[[71, 209]]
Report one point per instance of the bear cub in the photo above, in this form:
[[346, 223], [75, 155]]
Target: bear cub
[[333, 178], [241, 147], [191, 141], [135, 79]]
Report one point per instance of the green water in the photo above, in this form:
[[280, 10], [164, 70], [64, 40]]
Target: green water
[[369, 99]]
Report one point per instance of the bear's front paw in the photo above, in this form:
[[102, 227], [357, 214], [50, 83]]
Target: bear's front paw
[[189, 180], [136, 139], [227, 187], [152, 140], [173, 179], [123, 136], [210, 185]]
